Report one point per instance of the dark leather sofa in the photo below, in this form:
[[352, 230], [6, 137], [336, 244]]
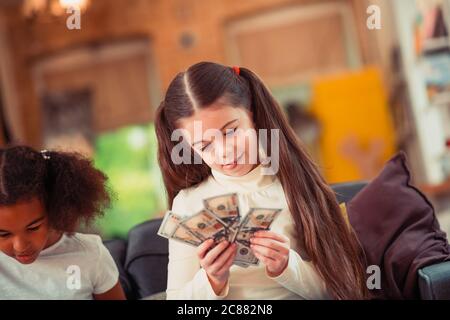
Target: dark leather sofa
[[142, 259]]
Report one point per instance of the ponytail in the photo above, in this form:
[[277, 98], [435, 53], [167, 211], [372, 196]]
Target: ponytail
[[321, 229]]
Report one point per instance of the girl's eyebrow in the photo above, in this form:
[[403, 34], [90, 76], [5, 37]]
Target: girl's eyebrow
[[226, 124], [36, 221], [30, 224]]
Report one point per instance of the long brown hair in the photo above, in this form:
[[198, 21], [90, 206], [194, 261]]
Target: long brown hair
[[332, 247]]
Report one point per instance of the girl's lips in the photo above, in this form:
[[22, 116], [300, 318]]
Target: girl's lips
[[229, 166], [232, 165], [25, 258]]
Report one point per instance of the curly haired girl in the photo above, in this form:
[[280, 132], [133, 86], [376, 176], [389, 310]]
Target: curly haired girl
[[44, 196]]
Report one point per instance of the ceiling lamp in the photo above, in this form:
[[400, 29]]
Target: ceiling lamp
[[33, 8]]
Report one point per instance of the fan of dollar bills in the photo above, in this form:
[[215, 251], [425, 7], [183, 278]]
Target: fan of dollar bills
[[220, 220]]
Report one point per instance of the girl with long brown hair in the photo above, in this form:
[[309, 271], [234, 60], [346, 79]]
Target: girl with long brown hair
[[310, 252]]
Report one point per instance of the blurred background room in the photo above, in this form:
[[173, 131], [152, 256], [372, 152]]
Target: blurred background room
[[358, 79]]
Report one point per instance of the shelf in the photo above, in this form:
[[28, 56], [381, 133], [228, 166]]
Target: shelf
[[436, 44]]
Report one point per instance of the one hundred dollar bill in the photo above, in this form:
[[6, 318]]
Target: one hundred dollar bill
[[171, 229], [259, 219], [220, 220], [169, 224], [244, 256], [205, 225], [225, 207], [182, 234]]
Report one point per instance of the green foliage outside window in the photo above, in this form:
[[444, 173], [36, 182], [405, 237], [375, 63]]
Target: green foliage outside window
[[128, 157]]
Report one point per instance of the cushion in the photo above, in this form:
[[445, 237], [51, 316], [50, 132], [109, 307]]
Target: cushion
[[398, 230], [147, 259], [118, 250]]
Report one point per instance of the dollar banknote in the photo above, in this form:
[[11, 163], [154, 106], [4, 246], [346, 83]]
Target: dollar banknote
[[244, 256], [182, 234], [205, 225], [169, 224], [259, 219], [220, 220], [256, 219], [225, 207], [243, 237]]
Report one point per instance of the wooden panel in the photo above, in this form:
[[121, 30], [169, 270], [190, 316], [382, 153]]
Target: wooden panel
[[299, 47], [120, 90], [296, 43]]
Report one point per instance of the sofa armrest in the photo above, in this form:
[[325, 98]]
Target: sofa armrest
[[347, 190], [434, 282]]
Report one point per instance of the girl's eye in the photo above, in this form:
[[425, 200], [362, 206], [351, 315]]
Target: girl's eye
[[34, 228], [230, 131], [4, 235], [227, 133], [205, 147]]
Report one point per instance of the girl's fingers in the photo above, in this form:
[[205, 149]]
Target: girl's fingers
[[223, 258], [215, 252], [266, 252], [265, 260], [226, 266], [204, 247], [269, 243], [271, 235]]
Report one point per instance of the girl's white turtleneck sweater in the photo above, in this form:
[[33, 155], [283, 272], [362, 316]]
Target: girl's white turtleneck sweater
[[186, 278]]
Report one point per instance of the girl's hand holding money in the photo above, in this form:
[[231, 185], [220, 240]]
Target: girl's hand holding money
[[272, 249], [216, 261]]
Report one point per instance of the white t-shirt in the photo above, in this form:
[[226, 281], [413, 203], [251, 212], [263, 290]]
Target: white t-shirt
[[186, 278], [74, 268]]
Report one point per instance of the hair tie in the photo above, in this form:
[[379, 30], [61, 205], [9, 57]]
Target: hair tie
[[236, 70], [45, 154]]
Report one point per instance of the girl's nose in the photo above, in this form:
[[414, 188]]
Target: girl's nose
[[225, 151], [21, 245]]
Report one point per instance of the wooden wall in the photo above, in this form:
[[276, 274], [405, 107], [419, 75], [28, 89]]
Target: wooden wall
[[181, 32]]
